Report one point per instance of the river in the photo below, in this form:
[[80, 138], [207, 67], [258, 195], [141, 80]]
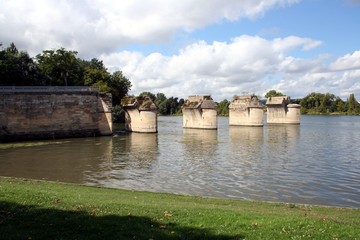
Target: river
[[317, 162]]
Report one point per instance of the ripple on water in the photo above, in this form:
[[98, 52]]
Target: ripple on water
[[314, 163]]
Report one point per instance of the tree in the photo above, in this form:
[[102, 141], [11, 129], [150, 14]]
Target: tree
[[61, 67], [148, 94], [223, 108], [172, 105], [353, 107], [17, 68], [320, 103], [96, 75], [327, 103], [119, 86], [340, 105], [273, 93]]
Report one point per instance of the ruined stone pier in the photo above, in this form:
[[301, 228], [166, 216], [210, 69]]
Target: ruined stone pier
[[281, 111], [199, 112], [246, 111], [140, 114]]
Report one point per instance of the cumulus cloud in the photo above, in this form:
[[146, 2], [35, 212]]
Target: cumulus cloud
[[340, 76], [246, 64], [347, 62], [94, 26]]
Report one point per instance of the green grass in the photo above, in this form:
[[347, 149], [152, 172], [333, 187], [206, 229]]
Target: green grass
[[32, 209]]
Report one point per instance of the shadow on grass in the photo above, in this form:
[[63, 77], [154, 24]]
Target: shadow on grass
[[31, 222]]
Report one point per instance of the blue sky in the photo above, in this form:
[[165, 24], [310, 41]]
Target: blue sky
[[218, 47], [334, 22]]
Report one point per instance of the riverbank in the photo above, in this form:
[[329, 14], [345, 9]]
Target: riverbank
[[31, 209]]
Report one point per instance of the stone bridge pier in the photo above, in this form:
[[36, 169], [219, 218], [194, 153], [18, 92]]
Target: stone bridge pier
[[246, 111], [281, 111], [199, 112], [140, 114]]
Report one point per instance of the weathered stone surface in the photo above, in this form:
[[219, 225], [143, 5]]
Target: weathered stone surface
[[32, 113], [246, 111], [280, 111], [140, 114], [199, 112]]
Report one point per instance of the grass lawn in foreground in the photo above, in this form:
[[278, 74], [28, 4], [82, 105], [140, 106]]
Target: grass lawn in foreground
[[31, 209]]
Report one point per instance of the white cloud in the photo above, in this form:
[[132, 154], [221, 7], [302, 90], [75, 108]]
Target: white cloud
[[102, 29], [340, 77], [347, 62], [93, 27], [247, 64], [291, 42]]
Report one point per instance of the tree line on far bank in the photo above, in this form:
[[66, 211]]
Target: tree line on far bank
[[313, 103], [62, 67], [324, 103]]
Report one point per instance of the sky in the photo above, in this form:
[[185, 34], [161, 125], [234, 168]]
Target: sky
[[217, 47]]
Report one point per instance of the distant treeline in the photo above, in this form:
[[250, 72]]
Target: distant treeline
[[62, 67], [313, 103], [319, 103]]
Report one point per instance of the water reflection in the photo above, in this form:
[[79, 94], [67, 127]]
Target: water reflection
[[60, 161], [280, 138], [316, 162], [276, 133], [144, 149], [134, 155], [199, 150], [246, 137], [199, 143]]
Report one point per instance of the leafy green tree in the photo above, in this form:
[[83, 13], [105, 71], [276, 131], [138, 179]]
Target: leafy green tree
[[173, 105], [166, 106], [223, 107], [310, 103], [353, 106], [340, 105], [161, 103], [17, 68], [61, 67], [273, 93], [148, 94], [160, 97], [94, 71], [96, 75], [327, 103], [319, 103], [119, 86], [162, 108]]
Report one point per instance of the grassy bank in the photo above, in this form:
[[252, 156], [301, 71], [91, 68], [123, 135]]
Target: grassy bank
[[46, 210]]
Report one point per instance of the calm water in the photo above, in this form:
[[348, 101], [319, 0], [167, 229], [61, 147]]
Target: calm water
[[317, 162]]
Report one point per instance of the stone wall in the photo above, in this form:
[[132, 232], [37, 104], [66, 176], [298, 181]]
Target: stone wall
[[53, 112]]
